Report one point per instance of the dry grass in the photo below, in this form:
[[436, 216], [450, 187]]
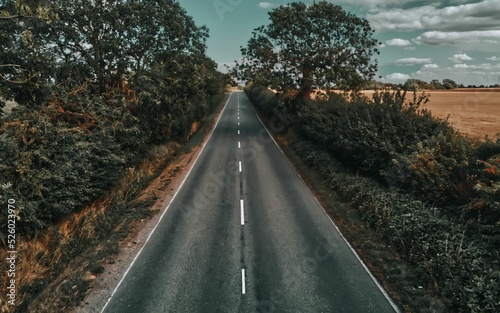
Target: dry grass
[[55, 270], [64, 248]]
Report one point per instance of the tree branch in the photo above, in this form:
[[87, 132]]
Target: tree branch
[[17, 82], [10, 65], [11, 17]]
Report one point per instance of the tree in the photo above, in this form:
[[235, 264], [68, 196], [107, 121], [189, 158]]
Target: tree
[[23, 62], [411, 84], [307, 47], [436, 84], [103, 40], [449, 84]]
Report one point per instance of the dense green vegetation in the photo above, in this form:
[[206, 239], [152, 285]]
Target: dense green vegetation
[[98, 84], [432, 194]]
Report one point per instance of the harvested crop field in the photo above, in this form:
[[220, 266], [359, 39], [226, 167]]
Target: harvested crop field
[[475, 112]]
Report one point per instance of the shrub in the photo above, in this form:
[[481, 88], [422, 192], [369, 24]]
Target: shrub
[[55, 169], [457, 260]]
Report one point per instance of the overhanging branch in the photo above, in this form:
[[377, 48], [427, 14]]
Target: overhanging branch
[[11, 17], [17, 82]]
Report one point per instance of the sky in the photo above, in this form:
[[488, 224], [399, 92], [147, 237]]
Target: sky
[[455, 39]]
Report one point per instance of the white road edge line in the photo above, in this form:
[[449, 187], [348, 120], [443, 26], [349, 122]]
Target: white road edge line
[[167, 207], [243, 287], [384, 292], [242, 209]]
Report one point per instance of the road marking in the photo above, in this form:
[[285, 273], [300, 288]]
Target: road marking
[[166, 209], [240, 166], [238, 123], [243, 287], [238, 117], [242, 212], [238, 131], [239, 144]]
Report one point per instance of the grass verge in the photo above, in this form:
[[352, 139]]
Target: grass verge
[[55, 269]]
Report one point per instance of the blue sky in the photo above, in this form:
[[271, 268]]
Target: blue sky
[[457, 39]]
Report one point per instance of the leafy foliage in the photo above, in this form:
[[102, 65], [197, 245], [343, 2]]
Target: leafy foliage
[[98, 83], [394, 140]]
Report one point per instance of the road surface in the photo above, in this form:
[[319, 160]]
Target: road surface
[[245, 234]]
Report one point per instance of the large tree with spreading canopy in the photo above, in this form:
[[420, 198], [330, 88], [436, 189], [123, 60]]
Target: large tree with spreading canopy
[[308, 47]]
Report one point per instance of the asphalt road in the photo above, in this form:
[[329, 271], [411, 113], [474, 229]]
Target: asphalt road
[[245, 234]]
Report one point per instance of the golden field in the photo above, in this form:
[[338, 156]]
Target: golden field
[[475, 112]]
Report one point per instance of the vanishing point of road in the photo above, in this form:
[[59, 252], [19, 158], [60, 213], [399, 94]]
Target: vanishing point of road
[[245, 234]]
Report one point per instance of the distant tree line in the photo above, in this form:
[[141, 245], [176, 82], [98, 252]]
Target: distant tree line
[[414, 84]]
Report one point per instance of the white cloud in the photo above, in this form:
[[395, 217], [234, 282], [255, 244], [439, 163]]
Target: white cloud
[[433, 65], [412, 61], [398, 42], [484, 66], [482, 15], [397, 76], [265, 5], [374, 5], [457, 58], [399, 19], [439, 37], [494, 58]]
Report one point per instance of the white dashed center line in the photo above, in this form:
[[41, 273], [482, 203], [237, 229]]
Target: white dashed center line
[[239, 144], [243, 287], [242, 212], [240, 166]]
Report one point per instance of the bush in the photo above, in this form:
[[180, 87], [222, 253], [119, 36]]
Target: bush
[[439, 170], [55, 169], [263, 97], [457, 260]]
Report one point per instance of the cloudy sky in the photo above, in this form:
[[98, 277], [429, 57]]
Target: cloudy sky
[[457, 39]]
